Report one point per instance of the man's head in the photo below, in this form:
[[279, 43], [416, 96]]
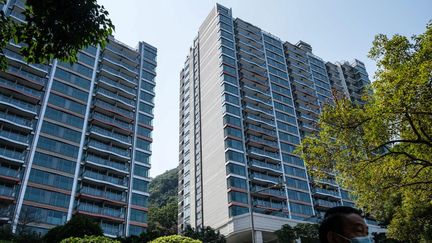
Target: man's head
[[341, 224]]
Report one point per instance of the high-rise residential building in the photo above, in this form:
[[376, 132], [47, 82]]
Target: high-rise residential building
[[247, 98], [76, 138]]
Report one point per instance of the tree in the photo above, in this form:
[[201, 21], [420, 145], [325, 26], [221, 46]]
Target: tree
[[382, 151], [163, 220], [175, 239], [78, 226], [307, 232], [206, 235], [51, 32], [90, 239], [286, 234]]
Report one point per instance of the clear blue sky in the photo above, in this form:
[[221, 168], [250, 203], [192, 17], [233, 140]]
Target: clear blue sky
[[336, 29]]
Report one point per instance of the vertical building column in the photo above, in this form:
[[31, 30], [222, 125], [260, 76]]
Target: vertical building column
[[32, 149], [258, 237], [83, 135], [131, 173]]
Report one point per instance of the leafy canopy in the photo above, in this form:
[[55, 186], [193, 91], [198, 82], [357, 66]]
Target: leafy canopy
[[56, 29], [382, 151], [175, 239]]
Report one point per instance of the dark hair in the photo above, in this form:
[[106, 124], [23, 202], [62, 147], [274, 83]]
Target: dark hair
[[334, 221]]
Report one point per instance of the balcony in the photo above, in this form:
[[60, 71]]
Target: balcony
[[264, 177], [11, 154], [267, 166], [117, 85], [118, 74], [113, 121], [111, 134], [6, 191], [257, 98], [326, 204], [17, 57], [121, 52], [104, 211], [127, 101], [273, 192], [22, 105], [266, 121], [16, 120], [114, 108], [26, 75], [15, 137], [124, 153], [259, 109], [8, 172], [325, 192], [260, 152], [18, 87], [118, 197], [120, 63], [270, 204], [261, 130], [263, 141], [105, 162], [102, 178]]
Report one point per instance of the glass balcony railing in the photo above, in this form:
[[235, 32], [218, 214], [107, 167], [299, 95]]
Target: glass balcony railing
[[267, 204], [257, 108], [264, 153], [120, 52], [20, 58], [326, 203], [5, 171], [257, 98], [278, 193], [260, 119], [263, 141], [7, 191], [325, 191], [266, 177], [19, 103], [114, 108], [275, 167], [109, 148], [117, 136], [13, 154], [260, 129], [118, 85], [255, 88], [15, 119], [116, 96], [21, 88], [105, 194], [99, 160], [122, 64], [117, 73], [14, 136], [106, 178], [114, 121], [27, 75]]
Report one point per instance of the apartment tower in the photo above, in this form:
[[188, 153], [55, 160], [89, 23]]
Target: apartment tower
[[76, 138], [247, 98]]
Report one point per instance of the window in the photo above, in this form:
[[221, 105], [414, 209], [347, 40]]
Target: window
[[299, 196], [144, 131], [236, 182], [140, 170], [58, 147], [232, 109], [143, 144], [234, 156], [62, 117], [70, 91], [300, 208], [233, 132], [236, 169], [292, 159], [140, 185], [287, 127], [287, 147], [138, 216], [231, 99], [147, 97], [296, 183], [136, 230], [66, 103], [47, 197], [45, 215], [295, 171], [237, 210], [139, 200], [142, 157], [231, 89], [79, 68], [232, 120], [52, 162], [147, 86], [289, 138], [145, 119], [146, 108], [148, 75], [240, 197], [50, 179], [235, 144], [72, 78], [62, 132]]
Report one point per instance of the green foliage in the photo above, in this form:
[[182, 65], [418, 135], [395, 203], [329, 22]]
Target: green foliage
[[175, 239], [89, 239], [206, 235], [163, 188], [382, 151], [51, 32], [163, 220], [307, 231], [78, 226], [286, 234]]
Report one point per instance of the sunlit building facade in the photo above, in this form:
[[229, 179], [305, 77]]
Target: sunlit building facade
[[76, 138], [247, 98]]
